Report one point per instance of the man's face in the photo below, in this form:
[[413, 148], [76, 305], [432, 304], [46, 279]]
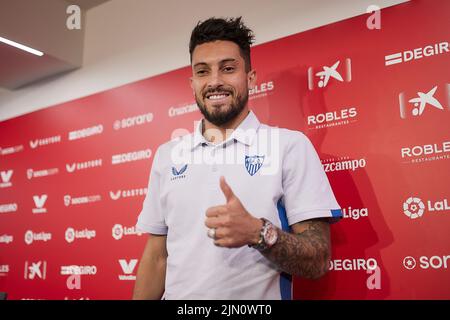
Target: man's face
[[219, 81]]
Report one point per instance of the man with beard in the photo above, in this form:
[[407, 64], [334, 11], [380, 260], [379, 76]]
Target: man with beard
[[239, 223]]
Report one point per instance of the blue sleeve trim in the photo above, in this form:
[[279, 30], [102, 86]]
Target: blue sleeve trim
[[285, 279], [336, 213]]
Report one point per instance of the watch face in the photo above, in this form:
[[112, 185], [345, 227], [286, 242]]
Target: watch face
[[271, 235]]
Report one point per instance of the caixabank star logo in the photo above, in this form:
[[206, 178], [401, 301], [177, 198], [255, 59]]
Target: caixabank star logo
[[338, 71], [424, 101]]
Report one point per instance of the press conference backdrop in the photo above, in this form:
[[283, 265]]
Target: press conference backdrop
[[73, 176]]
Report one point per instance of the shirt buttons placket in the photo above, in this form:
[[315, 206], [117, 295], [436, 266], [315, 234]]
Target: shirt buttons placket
[[215, 169]]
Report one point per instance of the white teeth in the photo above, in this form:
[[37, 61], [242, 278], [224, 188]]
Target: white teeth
[[217, 96]]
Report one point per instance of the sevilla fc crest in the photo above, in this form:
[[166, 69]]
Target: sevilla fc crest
[[253, 163]]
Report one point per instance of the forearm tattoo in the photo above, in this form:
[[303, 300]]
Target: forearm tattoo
[[304, 254]]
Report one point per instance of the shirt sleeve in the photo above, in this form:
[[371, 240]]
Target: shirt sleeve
[[307, 193], [151, 218]]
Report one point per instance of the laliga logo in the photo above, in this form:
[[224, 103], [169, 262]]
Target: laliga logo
[[117, 231], [29, 237], [413, 208], [329, 72], [70, 235], [420, 102]]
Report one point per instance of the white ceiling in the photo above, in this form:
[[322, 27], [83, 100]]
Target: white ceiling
[[86, 4], [40, 25]]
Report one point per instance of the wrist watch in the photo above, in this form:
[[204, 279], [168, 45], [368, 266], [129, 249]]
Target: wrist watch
[[267, 237]]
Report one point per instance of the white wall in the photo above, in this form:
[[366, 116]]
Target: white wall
[[130, 40]]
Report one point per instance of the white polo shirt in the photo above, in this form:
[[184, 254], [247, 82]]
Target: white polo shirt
[[276, 173]]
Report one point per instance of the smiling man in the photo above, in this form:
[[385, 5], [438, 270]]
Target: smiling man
[[238, 228]]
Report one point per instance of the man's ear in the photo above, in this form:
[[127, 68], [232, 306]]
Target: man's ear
[[251, 79]]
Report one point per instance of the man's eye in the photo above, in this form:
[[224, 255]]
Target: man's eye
[[228, 69], [201, 72]]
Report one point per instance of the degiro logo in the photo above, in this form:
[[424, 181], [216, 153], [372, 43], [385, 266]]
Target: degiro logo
[[417, 53]]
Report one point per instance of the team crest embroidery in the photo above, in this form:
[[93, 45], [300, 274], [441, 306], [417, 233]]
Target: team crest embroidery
[[253, 163], [178, 174]]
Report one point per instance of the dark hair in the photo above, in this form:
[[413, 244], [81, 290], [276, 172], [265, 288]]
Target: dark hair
[[231, 29]]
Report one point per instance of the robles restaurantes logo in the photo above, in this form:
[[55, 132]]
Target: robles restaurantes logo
[[415, 208], [261, 90], [426, 152], [417, 53], [332, 119]]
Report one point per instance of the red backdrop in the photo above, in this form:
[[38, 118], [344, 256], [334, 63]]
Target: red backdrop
[[73, 176]]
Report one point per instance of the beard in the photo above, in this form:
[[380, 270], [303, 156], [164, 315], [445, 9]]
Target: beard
[[219, 117]]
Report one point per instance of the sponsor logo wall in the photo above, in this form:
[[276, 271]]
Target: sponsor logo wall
[[375, 104]]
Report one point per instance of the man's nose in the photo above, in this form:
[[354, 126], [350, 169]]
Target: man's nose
[[215, 79]]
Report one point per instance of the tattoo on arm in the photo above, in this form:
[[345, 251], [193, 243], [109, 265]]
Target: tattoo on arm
[[305, 253]]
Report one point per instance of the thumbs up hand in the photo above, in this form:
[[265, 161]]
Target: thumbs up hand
[[234, 226]]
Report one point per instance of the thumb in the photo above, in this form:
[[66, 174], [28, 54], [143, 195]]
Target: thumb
[[226, 189]]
